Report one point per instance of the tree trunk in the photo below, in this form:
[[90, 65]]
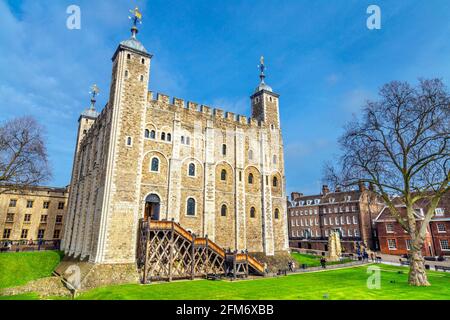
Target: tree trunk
[[417, 273]]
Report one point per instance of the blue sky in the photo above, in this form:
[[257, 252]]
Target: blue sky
[[321, 58]]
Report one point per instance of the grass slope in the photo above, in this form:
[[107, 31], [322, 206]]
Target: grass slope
[[311, 260], [17, 269], [344, 284]]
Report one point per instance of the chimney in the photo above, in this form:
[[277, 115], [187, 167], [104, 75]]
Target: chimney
[[325, 190], [362, 186], [296, 195]]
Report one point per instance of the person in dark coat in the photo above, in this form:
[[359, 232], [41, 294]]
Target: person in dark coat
[[323, 263]]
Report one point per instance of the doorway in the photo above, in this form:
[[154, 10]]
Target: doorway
[[152, 207]]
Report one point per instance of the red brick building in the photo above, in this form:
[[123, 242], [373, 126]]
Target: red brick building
[[394, 240], [312, 218]]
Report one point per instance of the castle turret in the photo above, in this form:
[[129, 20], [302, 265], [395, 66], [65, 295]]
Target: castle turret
[[265, 101]]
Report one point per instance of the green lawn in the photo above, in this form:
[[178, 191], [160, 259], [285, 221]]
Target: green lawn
[[344, 284], [312, 260], [17, 269]]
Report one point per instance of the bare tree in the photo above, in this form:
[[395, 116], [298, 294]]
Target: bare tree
[[23, 156], [400, 145]]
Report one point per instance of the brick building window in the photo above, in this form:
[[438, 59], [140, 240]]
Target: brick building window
[[27, 218], [408, 244], [444, 245], [46, 205], [56, 234], [439, 212], [441, 228], [389, 227], [190, 208], [6, 233], [24, 234], [223, 211], [41, 233], [12, 203], [392, 244], [59, 219], [10, 217], [29, 204], [61, 206], [44, 218], [355, 220], [356, 232]]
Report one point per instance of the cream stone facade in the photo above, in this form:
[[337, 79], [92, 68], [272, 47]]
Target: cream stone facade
[[32, 214], [145, 155]]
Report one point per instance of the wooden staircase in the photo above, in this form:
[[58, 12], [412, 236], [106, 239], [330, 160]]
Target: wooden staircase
[[167, 251]]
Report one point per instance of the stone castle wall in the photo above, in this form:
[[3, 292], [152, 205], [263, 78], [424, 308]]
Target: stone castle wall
[[112, 178]]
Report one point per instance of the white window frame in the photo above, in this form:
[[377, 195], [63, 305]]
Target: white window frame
[[444, 230], [442, 248], [439, 212], [389, 244], [388, 229]]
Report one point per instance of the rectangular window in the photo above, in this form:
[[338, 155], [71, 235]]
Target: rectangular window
[[331, 221], [350, 233], [349, 221], [444, 245], [56, 234], [12, 203], [61, 206], [441, 228], [355, 220], [10, 217], [392, 244], [342, 221], [46, 205], [41, 233], [325, 221], [408, 244], [6, 233], [356, 232], [389, 227], [27, 218], [29, 204], [326, 233], [24, 234], [293, 223], [336, 221], [44, 218], [59, 219]]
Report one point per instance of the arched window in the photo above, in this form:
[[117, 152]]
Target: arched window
[[252, 212], [223, 211], [224, 149], [147, 133], [190, 209], [250, 154], [275, 181], [153, 134], [192, 170], [223, 175], [163, 136], [250, 178], [277, 214], [155, 165], [169, 137]]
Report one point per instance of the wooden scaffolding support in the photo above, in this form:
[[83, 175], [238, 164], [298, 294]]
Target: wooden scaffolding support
[[167, 252]]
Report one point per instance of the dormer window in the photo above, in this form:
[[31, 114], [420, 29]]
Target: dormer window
[[317, 201], [332, 200], [309, 202], [439, 212]]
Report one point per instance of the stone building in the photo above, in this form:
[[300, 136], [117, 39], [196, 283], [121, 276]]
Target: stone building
[[351, 213], [148, 156], [394, 240], [32, 214]]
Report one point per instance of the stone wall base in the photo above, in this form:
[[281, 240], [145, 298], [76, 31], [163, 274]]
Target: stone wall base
[[274, 263], [82, 276]]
